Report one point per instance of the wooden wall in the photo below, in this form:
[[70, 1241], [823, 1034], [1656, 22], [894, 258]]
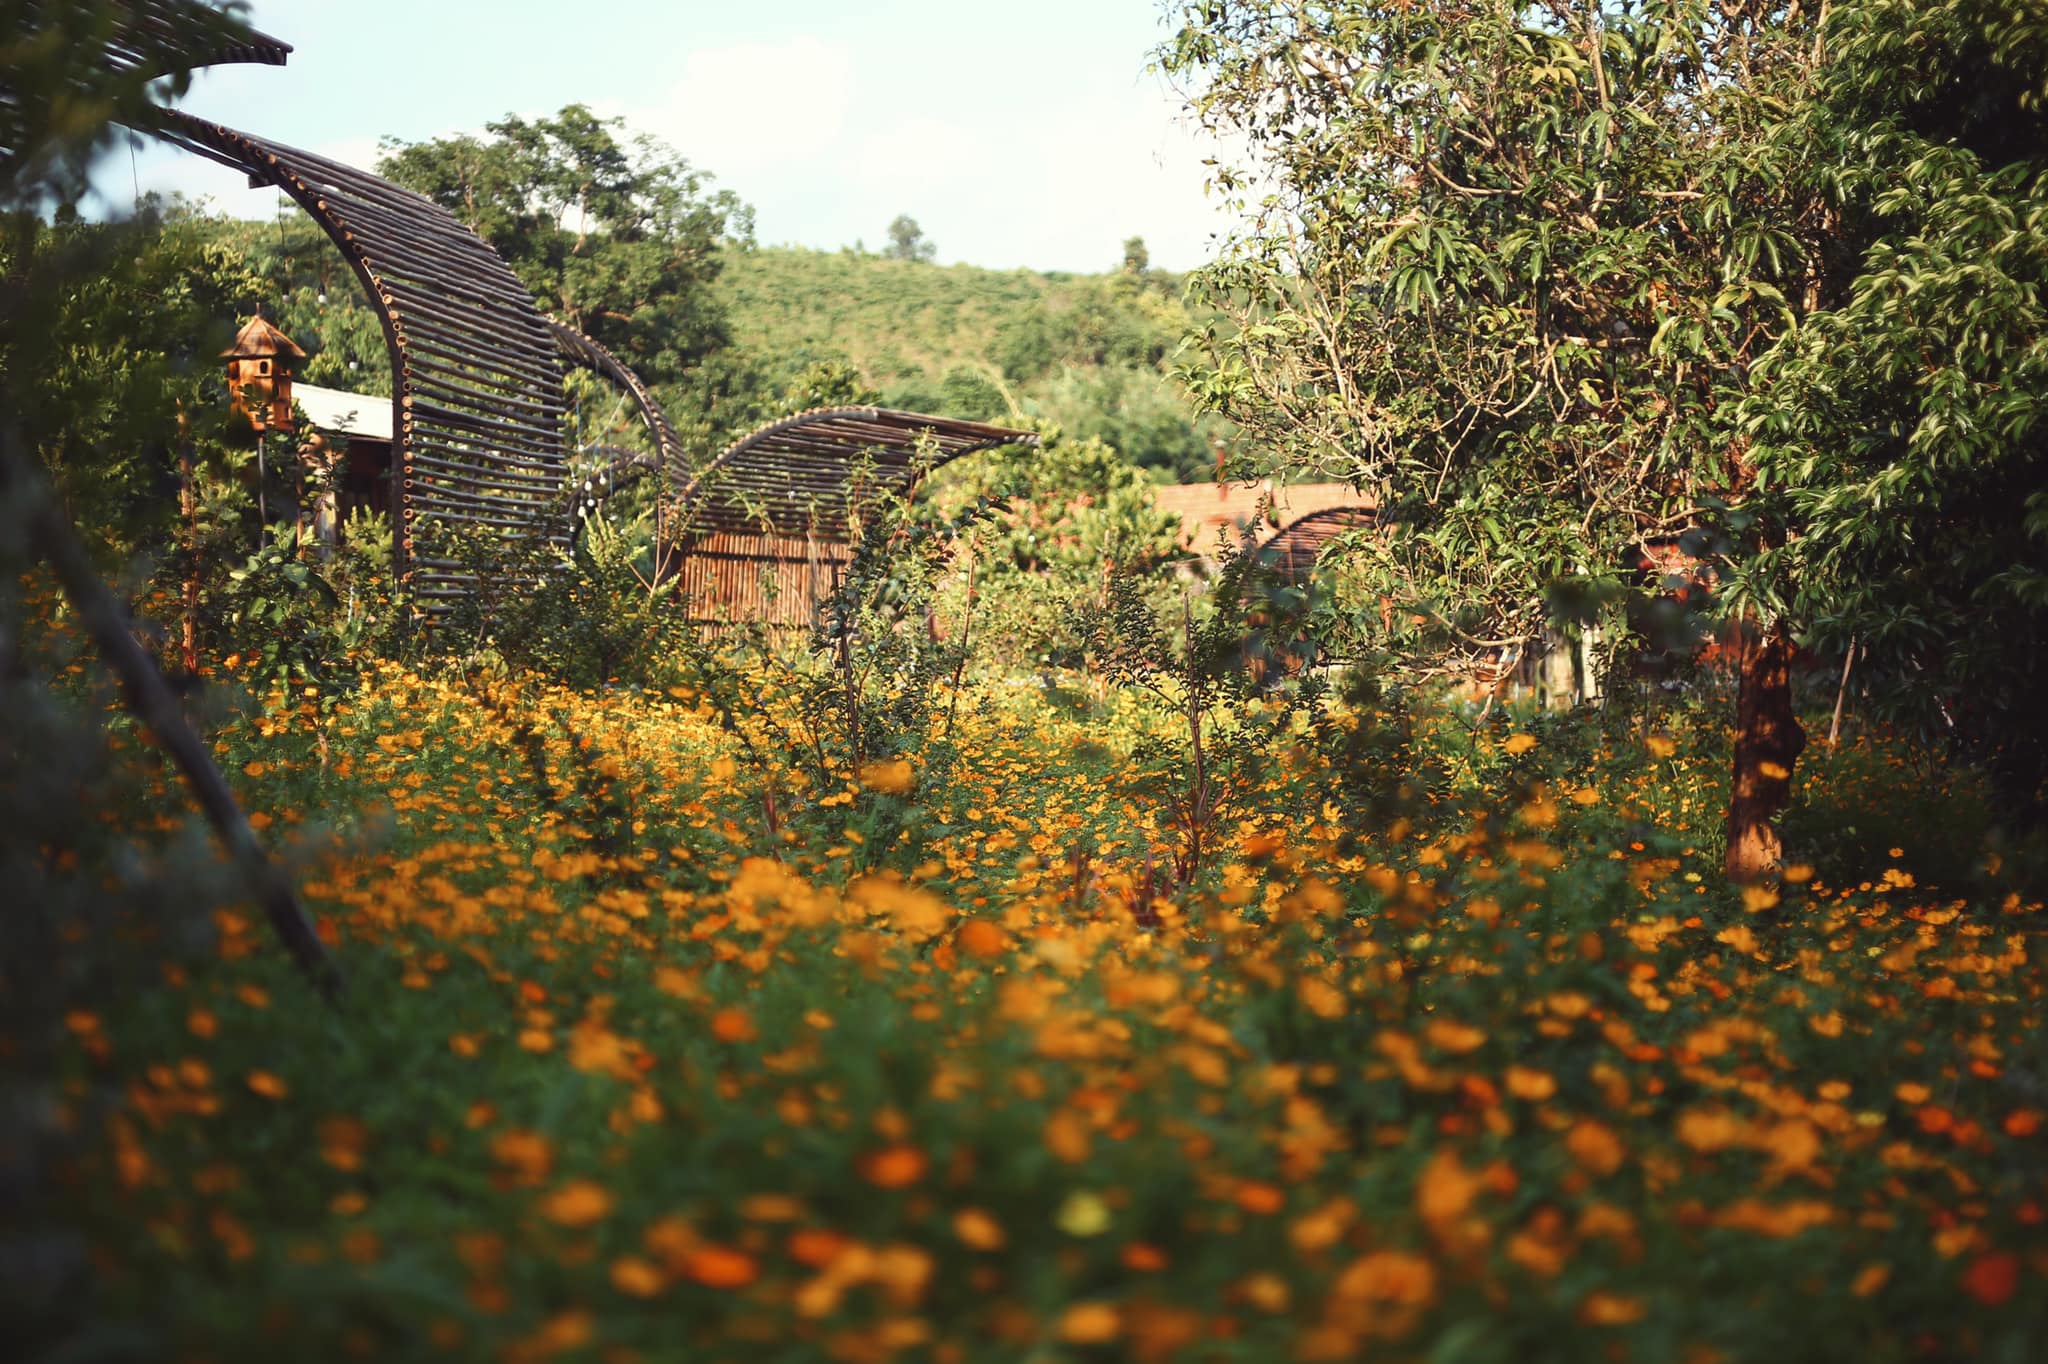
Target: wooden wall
[[778, 580]]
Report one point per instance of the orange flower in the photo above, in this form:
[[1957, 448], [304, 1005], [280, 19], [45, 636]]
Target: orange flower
[[1531, 1085], [1594, 1146], [525, 1156], [891, 777], [637, 1278], [1387, 1276], [1066, 1136], [720, 1267], [1611, 1309], [342, 1140], [1449, 1035], [578, 1203], [733, 1025], [977, 1230], [1090, 1323], [1445, 1189], [1261, 1199], [1142, 1258], [981, 939], [1321, 998], [816, 1247], [1261, 845], [268, 1085], [1993, 1278], [893, 1167]]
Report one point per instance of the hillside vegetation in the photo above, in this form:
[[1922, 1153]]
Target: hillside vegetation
[[1090, 352]]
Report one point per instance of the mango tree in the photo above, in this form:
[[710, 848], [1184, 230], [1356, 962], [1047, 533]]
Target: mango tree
[[1509, 266]]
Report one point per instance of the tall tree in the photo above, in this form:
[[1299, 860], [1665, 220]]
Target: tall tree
[[908, 242], [1901, 436], [1508, 265], [620, 238]]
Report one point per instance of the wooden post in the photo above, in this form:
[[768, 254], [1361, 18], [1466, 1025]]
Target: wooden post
[[1841, 694]]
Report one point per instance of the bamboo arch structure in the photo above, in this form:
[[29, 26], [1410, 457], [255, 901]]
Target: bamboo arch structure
[[811, 473], [476, 370], [767, 526], [481, 440], [624, 468]]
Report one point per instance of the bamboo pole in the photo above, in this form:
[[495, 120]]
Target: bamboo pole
[[1841, 695]]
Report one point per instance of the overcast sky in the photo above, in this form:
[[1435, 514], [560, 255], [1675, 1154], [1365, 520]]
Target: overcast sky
[[1015, 135]]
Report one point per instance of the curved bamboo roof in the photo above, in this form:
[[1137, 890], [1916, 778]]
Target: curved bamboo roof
[[159, 37], [811, 474], [476, 371]]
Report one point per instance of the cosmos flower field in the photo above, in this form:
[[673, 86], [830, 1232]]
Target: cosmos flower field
[[653, 1049]]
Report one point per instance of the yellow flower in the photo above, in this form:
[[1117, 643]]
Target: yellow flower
[[892, 776], [1082, 1214], [1518, 744]]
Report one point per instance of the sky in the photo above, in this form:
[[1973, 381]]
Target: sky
[[1016, 136]]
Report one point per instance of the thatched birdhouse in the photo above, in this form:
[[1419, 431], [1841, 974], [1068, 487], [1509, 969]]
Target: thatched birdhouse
[[260, 368]]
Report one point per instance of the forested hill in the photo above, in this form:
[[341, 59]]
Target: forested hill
[[1088, 351]]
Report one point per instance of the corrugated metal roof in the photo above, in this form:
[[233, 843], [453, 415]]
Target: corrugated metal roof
[[345, 414]]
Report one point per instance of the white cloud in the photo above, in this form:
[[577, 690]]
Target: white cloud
[[749, 108]]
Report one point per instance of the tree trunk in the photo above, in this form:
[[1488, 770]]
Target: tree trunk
[[1768, 739], [1557, 679]]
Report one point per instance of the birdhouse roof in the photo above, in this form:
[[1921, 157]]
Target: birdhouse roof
[[258, 338]]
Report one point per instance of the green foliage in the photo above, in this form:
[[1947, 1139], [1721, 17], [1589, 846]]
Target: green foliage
[[64, 98], [112, 353], [1140, 412], [1221, 672], [1075, 515], [307, 622], [1089, 352], [590, 620], [866, 715], [620, 239], [1505, 266], [1901, 432], [907, 241], [301, 282]]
